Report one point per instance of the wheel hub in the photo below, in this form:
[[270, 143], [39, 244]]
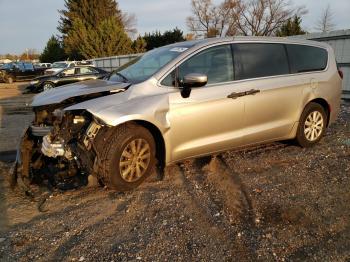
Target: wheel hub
[[313, 126], [134, 160]]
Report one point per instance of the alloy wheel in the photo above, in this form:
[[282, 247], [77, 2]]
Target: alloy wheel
[[313, 126], [135, 160], [47, 86]]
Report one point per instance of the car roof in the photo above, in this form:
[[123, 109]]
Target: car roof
[[265, 39]]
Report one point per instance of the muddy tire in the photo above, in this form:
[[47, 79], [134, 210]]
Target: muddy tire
[[312, 125], [129, 157]]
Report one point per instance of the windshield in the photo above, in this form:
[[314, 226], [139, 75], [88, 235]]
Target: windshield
[[145, 66], [59, 65]]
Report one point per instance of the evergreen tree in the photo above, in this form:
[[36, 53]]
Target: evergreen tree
[[53, 51], [156, 39], [291, 27], [93, 28], [139, 45]]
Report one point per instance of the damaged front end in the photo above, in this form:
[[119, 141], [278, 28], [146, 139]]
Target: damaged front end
[[59, 147]]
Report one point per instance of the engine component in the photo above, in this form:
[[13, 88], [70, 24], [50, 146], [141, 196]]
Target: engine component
[[40, 130], [52, 148], [91, 133]]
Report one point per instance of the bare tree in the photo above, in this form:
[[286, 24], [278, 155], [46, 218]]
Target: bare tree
[[211, 20], [264, 17], [201, 21], [325, 23], [245, 17], [129, 22]]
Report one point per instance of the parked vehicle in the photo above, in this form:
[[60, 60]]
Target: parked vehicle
[[43, 65], [183, 101], [64, 77], [58, 66], [17, 71]]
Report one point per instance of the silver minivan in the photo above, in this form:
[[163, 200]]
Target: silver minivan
[[182, 101]]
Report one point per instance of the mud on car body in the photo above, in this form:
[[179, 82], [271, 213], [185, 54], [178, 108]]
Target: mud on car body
[[177, 102]]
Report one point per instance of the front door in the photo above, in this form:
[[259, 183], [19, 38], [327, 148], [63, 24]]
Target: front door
[[209, 120], [67, 76]]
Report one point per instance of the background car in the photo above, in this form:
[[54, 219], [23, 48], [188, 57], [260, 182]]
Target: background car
[[42, 65], [15, 71], [58, 66], [66, 76]]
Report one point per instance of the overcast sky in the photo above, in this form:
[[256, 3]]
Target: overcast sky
[[30, 23]]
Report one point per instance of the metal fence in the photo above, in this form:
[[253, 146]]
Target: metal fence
[[113, 62], [340, 42]]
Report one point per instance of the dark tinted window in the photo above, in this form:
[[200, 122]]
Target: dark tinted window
[[259, 60], [306, 58]]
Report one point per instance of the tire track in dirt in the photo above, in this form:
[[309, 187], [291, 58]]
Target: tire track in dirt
[[225, 202]]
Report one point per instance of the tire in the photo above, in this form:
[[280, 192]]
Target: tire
[[121, 169], [312, 125], [48, 86], [9, 80]]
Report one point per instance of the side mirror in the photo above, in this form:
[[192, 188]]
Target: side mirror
[[192, 80]]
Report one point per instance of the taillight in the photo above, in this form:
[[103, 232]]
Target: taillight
[[340, 73]]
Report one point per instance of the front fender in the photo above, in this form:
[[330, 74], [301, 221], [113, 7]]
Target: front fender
[[153, 109]]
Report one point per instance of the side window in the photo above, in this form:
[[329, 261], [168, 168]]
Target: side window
[[28, 66], [258, 60], [85, 71], [68, 72], [215, 62], [169, 80], [306, 58]]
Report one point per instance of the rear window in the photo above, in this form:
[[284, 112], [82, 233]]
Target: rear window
[[259, 60], [306, 58]]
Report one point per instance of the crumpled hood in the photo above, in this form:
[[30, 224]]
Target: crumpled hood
[[59, 94]]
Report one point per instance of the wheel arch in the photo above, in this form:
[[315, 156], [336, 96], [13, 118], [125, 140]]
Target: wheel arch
[[158, 139], [322, 102]]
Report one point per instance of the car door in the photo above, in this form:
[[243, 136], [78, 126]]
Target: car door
[[208, 120], [273, 95], [29, 72], [66, 76]]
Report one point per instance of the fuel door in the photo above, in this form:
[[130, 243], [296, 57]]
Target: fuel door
[[313, 83]]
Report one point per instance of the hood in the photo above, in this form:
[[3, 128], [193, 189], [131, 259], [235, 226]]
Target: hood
[[77, 90]]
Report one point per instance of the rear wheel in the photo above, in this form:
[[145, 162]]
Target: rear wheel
[[312, 125], [129, 157], [48, 86]]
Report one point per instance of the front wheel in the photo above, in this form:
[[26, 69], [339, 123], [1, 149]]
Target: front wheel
[[48, 86], [129, 157], [312, 125]]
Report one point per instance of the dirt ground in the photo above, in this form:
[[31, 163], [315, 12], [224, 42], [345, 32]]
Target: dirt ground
[[271, 203]]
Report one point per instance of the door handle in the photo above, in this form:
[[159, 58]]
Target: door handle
[[252, 92], [235, 95]]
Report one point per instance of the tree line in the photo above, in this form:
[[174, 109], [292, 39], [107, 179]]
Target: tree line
[[98, 28]]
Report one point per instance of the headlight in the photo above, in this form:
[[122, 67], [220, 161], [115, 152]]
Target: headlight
[[34, 82]]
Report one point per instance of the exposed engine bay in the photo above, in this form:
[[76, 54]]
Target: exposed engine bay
[[60, 148]]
